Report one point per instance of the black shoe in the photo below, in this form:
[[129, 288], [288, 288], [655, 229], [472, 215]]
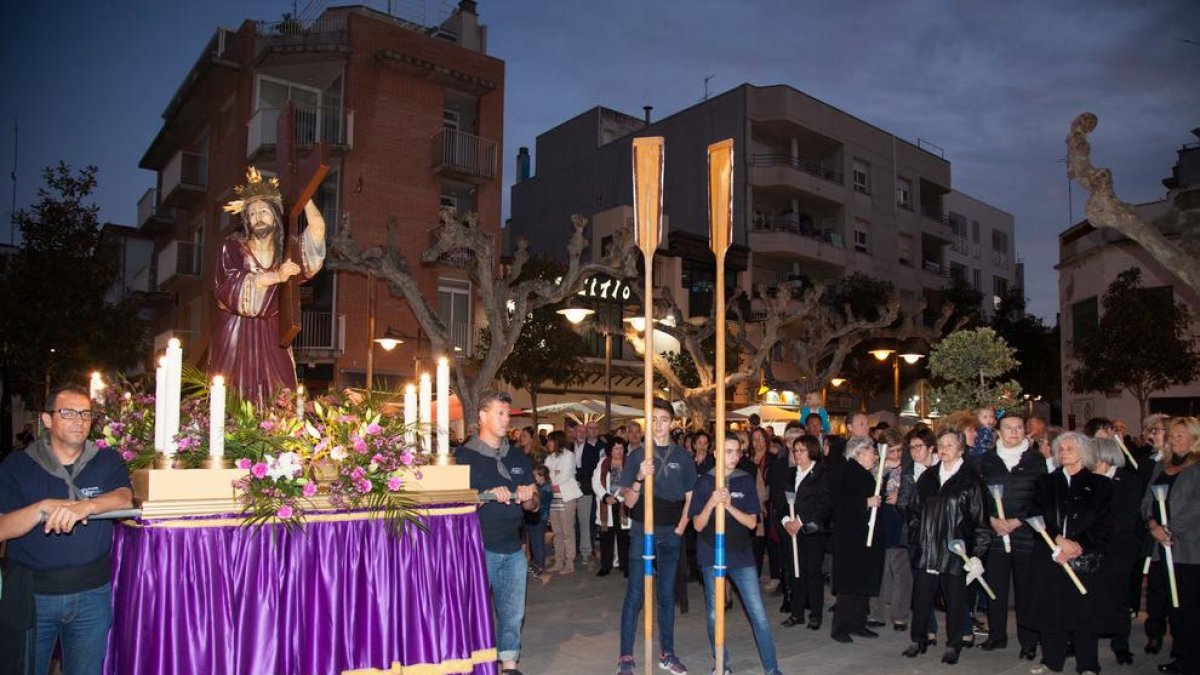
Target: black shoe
[[875, 624], [1153, 645], [899, 626], [1028, 654], [915, 649], [785, 608], [950, 656], [1124, 657], [603, 573], [991, 645], [792, 621], [814, 624], [968, 643], [1170, 668], [846, 639], [865, 632]]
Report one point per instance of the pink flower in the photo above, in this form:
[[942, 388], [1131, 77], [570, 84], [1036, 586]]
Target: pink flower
[[284, 512], [406, 458], [309, 489], [364, 486], [266, 425], [374, 429], [360, 446], [394, 483], [377, 459], [357, 473], [243, 463], [127, 455], [258, 470], [101, 443]]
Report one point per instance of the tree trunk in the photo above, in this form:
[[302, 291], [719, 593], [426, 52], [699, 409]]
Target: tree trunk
[[533, 404]]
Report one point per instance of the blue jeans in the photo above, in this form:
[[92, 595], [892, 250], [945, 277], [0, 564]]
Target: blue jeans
[[537, 544], [81, 620], [746, 580], [507, 577], [666, 550]]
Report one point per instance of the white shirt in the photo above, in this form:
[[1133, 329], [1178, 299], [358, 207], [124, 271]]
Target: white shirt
[[945, 472], [801, 474], [919, 468], [579, 454], [1011, 456]]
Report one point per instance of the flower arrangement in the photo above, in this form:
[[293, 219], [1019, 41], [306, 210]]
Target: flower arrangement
[[126, 423]]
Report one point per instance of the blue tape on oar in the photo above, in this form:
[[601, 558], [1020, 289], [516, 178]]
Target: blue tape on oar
[[648, 554], [719, 555]]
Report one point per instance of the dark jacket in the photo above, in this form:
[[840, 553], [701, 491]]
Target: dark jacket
[[857, 569], [940, 513], [587, 466], [1018, 492], [812, 496], [1084, 509], [1129, 530]]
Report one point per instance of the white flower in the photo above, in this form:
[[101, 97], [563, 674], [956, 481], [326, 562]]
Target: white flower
[[286, 466]]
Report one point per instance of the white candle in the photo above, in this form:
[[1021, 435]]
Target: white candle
[[882, 449], [174, 391], [300, 402], [96, 387], [443, 407], [160, 403], [426, 411], [216, 418], [410, 414]]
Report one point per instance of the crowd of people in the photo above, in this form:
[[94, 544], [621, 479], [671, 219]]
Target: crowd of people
[[951, 529]]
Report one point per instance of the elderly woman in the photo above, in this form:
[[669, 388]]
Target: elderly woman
[[947, 504], [896, 591], [807, 476], [857, 568], [1180, 473], [1076, 505], [1125, 547], [1014, 465], [611, 518]]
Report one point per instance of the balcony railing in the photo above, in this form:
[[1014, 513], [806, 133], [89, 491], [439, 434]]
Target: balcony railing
[[322, 124], [464, 154], [184, 178], [799, 164], [934, 213], [143, 281], [964, 246], [178, 260], [1000, 259], [936, 268], [150, 210], [319, 330], [795, 224], [461, 339]]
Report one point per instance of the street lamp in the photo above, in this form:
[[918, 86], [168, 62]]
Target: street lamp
[[390, 340], [607, 322], [911, 351]]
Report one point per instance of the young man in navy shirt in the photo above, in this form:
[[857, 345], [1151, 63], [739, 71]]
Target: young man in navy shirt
[[674, 474], [740, 500], [58, 585], [507, 474]]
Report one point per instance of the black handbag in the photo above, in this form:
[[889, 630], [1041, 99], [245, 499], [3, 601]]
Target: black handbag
[[1086, 563]]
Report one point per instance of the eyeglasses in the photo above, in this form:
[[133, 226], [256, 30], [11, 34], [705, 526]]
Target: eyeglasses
[[1156, 430], [69, 414]]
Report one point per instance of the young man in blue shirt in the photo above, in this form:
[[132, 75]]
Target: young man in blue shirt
[[739, 498], [674, 474], [507, 474], [58, 585]]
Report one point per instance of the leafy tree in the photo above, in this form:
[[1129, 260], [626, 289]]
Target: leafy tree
[[1142, 343], [860, 296], [967, 302], [1035, 345], [57, 326], [967, 366]]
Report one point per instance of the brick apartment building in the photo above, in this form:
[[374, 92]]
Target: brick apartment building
[[413, 116]]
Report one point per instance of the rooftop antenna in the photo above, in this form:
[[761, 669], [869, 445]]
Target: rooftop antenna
[[706, 86]]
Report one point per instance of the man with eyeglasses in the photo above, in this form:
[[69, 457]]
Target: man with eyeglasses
[[58, 583]]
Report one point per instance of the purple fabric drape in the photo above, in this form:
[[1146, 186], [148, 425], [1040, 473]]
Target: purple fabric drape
[[335, 596]]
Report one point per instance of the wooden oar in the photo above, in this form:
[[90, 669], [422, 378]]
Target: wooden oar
[[647, 229], [720, 220]]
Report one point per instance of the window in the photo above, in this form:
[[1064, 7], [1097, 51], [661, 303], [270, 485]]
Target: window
[[976, 280], [1085, 317], [975, 231], [454, 309], [958, 273], [861, 231], [451, 119], [958, 224], [606, 245], [1000, 241], [999, 287], [862, 177], [905, 244], [448, 202], [904, 194]]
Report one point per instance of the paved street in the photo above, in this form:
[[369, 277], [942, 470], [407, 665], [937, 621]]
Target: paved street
[[573, 626]]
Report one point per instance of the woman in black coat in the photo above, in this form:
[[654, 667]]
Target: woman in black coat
[[1077, 507], [805, 474], [857, 568], [1125, 546], [947, 504]]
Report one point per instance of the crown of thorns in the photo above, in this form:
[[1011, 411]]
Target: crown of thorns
[[255, 188]]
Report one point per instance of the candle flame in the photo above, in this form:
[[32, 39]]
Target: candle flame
[[218, 381]]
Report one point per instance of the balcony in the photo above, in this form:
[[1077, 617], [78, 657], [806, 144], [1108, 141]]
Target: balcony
[[796, 173], [963, 246], [150, 214], [457, 154], [935, 268], [788, 236], [293, 39], [184, 179], [178, 264], [1000, 259], [330, 125], [320, 332]]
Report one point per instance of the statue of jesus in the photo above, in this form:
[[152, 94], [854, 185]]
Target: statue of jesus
[[253, 264]]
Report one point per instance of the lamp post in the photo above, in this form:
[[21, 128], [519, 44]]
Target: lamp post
[[370, 329], [911, 352]]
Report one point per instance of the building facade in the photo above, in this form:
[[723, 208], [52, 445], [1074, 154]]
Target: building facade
[[1089, 260], [413, 117], [981, 253]]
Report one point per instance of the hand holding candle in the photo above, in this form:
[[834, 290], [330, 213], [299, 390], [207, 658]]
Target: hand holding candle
[[973, 566], [882, 448], [1039, 525], [997, 492], [791, 500], [1160, 496]]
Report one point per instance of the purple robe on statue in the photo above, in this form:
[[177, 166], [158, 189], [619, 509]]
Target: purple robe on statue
[[245, 339]]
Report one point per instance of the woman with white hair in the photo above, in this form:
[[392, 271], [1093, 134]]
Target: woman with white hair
[[857, 568], [1078, 511], [1126, 545]]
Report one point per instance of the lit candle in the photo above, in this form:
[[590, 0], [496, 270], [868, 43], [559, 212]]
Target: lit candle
[[216, 418], [443, 407], [96, 387], [425, 411], [174, 391], [410, 415], [160, 404], [300, 402]]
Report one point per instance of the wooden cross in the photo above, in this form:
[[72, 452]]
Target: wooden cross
[[298, 182]]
